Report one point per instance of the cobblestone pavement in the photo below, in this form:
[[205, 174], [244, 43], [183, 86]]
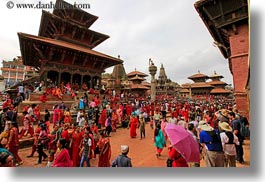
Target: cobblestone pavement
[[142, 152]]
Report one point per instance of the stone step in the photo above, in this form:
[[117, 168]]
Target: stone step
[[26, 142], [36, 97], [47, 105]]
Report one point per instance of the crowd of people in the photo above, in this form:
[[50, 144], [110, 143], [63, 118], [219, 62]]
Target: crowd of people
[[63, 141]]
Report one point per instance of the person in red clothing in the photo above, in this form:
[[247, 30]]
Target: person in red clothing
[[35, 143], [105, 151], [62, 157], [8, 102], [56, 115], [43, 98], [133, 125], [97, 100], [36, 111], [178, 160], [26, 107], [129, 109], [67, 116], [43, 140], [114, 121], [75, 146], [65, 134], [13, 143], [28, 127], [102, 118]]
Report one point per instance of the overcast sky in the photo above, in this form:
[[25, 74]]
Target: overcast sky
[[167, 31]]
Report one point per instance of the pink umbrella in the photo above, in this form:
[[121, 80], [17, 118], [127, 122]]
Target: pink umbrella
[[183, 142]]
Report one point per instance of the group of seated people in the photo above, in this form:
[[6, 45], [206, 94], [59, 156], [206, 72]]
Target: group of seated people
[[65, 89]]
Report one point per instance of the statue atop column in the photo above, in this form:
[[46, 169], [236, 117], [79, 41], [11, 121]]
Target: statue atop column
[[152, 71]]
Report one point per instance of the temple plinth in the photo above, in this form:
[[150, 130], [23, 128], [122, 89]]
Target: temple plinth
[[152, 71]]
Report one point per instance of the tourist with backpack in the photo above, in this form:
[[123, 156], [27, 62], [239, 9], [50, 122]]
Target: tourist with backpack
[[244, 124], [229, 142], [210, 140], [236, 130]]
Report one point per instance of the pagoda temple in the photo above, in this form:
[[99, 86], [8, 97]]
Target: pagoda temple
[[201, 87], [219, 86], [136, 79], [63, 50]]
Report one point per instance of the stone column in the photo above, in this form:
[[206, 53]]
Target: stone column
[[152, 71]]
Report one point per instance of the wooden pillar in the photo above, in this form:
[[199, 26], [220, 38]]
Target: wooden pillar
[[59, 78], [71, 79], [44, 77], [99, 83], [82, 78]]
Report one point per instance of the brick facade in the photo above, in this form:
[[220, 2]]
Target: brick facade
[[239, 44]]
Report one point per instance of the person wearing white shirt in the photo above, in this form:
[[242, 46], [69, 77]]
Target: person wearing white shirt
[[229, 141], [173, 119], [21, 91]]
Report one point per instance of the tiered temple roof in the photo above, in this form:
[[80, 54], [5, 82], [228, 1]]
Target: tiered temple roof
[[136, 78], [199, 77], [202, 87], [65, 44]]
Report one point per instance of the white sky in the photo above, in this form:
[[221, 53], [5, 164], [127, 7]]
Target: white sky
[[167, 31]]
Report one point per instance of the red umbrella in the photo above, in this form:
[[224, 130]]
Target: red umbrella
[[183, 142]]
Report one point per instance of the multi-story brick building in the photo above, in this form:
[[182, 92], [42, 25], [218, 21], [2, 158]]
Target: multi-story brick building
[[14, 71]]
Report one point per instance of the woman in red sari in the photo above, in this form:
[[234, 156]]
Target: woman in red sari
[[59, 93], [119, 113], [62, 157], [43, 98], [67, 116], [105, 151], [74, 145], [13, 143], [133, 125], [114, 120], [102, 118], [36, 111], [178, 160]]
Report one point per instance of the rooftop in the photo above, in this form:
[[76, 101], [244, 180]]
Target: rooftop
[[198, 75], [133, 73], [31, 40]]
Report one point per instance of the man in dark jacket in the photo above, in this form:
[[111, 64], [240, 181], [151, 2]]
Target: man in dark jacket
[[123, 160]]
